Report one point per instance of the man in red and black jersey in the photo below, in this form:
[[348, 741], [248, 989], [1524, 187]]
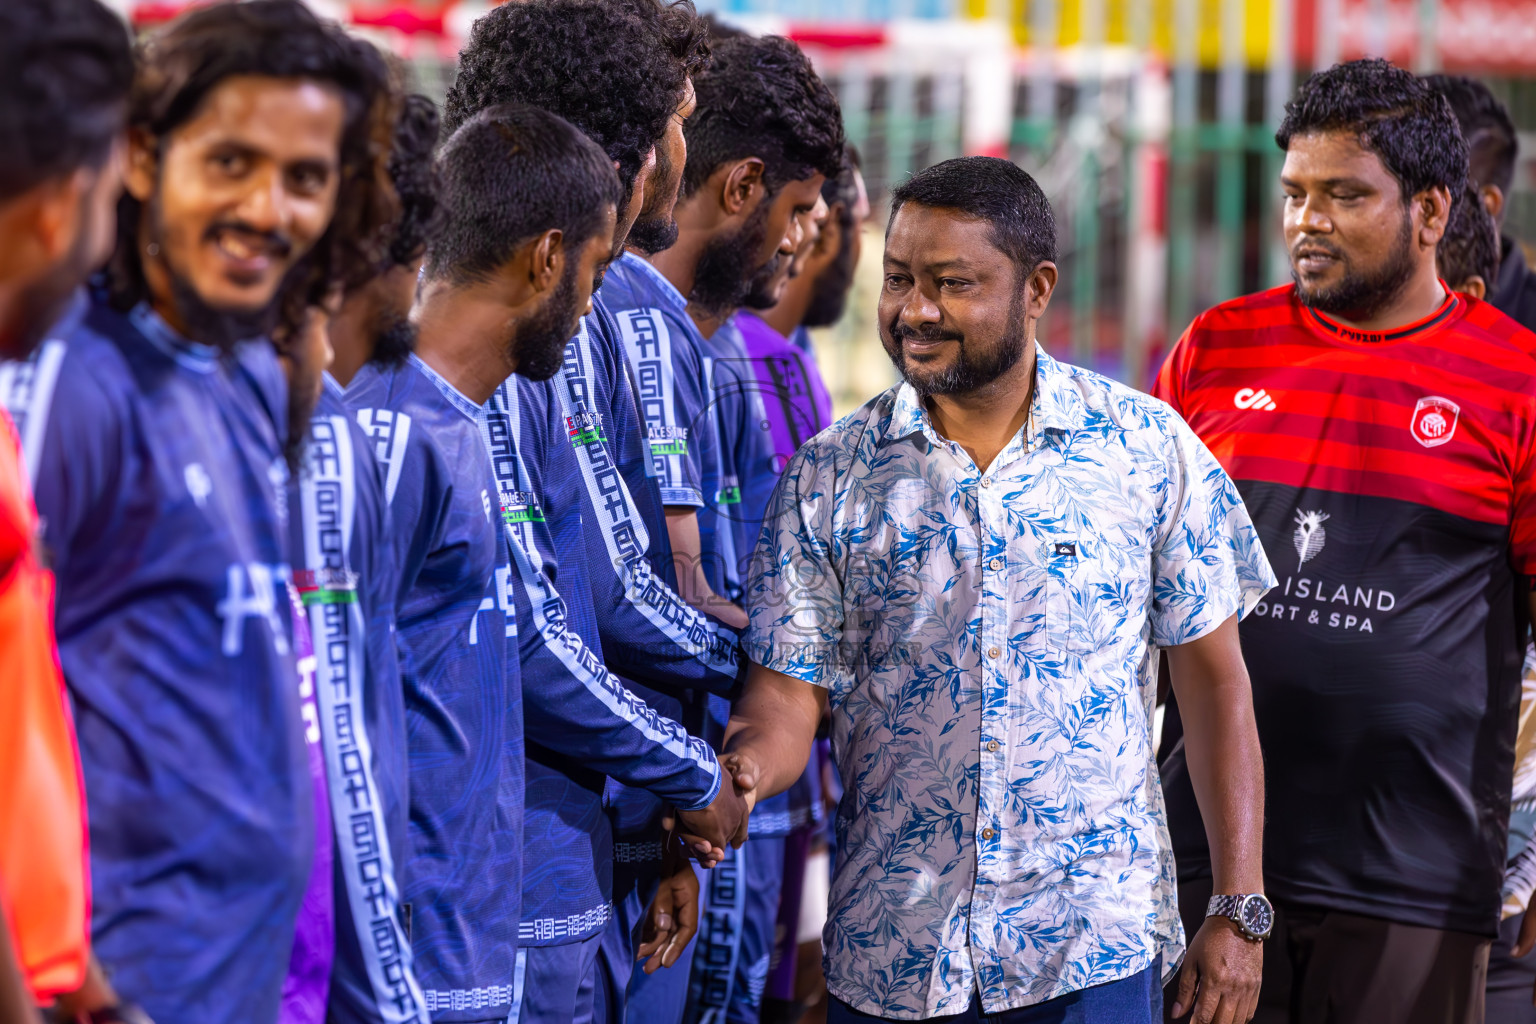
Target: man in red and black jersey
[[1382, 430]]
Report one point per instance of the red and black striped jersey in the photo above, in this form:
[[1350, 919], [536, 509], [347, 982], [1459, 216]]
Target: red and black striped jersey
[[1392, 478]]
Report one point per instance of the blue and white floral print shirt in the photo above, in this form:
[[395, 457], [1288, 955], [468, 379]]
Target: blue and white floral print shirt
[[989, 643]]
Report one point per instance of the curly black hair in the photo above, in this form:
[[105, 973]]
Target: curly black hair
[[761, 97], [65, 70], [1485, 124], [1393, 113], [616, 69], [1471, 243], [413, 171], [181, 64]]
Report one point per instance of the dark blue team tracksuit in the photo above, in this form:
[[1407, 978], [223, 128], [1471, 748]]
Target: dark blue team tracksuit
[[344, 568], [455, 635], [583, 722], [668, 653]]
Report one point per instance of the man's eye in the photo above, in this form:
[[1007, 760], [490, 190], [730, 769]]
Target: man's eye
[[895, 281], [233, 164], [952, 282], [307, 179]]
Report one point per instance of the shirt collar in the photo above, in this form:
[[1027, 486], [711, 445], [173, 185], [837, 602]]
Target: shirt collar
[[455, 397], [1055, 408], [665, 289], [191, 354]]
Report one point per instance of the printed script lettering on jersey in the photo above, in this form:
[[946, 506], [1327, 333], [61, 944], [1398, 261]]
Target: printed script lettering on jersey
[[328, 591], [1394, 489], [391, 432], [648, 342]]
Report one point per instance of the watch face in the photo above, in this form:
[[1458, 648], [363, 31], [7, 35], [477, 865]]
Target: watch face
[[1258, 917]]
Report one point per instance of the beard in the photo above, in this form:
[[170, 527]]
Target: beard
[[829, 294], [394, 338], [973, 369], [1360, 296], [728, 266], [767, 286], [655, 231], [222, 329], [539, 342]]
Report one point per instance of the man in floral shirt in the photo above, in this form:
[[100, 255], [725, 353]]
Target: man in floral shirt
[[977, 570]]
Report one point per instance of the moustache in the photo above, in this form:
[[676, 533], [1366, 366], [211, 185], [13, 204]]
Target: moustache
[[274, 243], [927, 332], [1312, 246]]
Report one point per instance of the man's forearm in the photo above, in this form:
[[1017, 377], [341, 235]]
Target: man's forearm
[[773, 724], [688, 562], [1221, 746]]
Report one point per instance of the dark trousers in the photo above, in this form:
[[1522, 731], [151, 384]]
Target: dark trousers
[[1510, 982], [1327, 967], [1133, 1000]]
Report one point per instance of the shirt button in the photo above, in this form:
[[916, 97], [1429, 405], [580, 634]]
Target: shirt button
[[992, 745], [997, 564], [986, 481], [986, 833], [994, 652]]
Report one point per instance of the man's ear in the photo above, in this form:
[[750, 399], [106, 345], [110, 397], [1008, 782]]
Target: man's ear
[[143, 165], [1493, 201], [1039, 288], [741, 180], [1434, 206], [1474, 286], [546, 261]]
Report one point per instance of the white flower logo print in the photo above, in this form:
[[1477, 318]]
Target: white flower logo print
[[1310, 535]]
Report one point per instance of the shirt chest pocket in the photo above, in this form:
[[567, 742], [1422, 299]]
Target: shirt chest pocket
[[1067, 594]]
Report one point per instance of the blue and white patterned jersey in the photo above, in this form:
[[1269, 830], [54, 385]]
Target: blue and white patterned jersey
[[455, 635], [160, 482], [343, 558], [989, 643], [650, 634], [582, 723], [661, 343]]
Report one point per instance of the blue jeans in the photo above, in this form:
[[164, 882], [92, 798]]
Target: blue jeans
[[1134, 1000]]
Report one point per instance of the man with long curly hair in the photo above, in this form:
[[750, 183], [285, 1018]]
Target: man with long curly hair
[[256, 181]]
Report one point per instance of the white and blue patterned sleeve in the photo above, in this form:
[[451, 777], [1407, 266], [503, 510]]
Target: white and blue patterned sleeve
[[1207, 562], [794, 596]]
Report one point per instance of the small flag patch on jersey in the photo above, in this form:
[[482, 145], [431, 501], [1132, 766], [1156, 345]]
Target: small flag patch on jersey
[[325, 586], [521, 507]]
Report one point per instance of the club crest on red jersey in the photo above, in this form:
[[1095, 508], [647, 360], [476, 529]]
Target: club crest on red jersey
[[1434, 421]]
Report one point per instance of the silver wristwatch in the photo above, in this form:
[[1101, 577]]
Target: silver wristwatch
[[1251, 912]]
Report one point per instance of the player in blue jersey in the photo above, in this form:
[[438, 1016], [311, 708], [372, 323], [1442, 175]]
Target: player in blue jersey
[[159, 474], [348, 582], [766, 134], [582, 721], [621, 74], [456, 629]]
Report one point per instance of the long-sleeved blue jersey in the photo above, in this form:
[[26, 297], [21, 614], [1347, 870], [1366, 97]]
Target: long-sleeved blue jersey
[[455, 634], [582, 721], [344, 569], [598, 374], [160, 481]]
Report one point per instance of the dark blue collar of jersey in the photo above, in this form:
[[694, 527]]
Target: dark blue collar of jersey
[[191, 354], [456, 398], [666, 290]]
